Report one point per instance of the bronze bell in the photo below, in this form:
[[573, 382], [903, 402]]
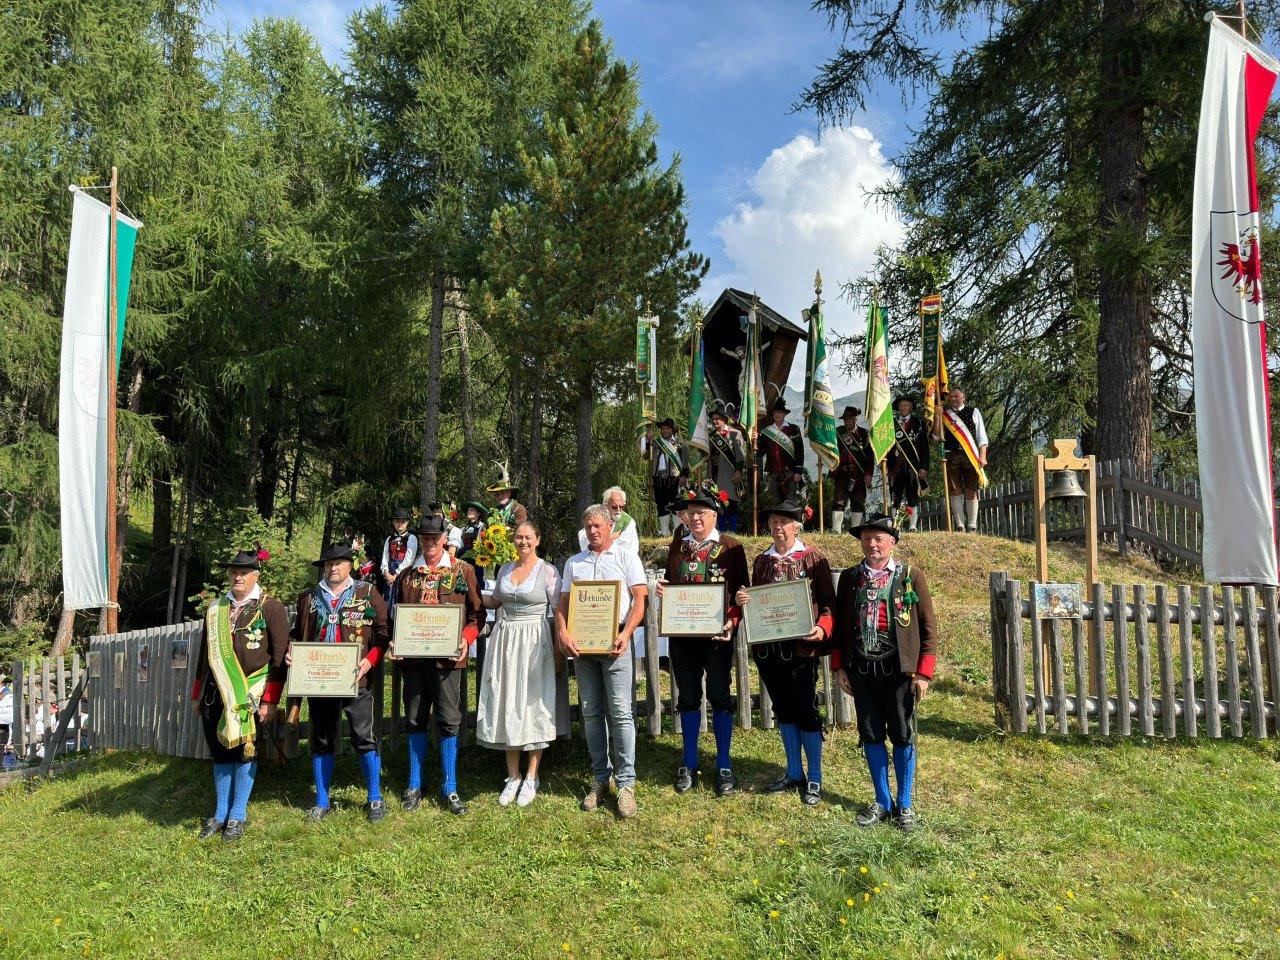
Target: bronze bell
[[1066, 486]]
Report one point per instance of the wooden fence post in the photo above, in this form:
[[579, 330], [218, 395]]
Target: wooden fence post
[[999, 649]]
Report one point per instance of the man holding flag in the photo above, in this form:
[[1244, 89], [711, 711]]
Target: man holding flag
[[728, 456]]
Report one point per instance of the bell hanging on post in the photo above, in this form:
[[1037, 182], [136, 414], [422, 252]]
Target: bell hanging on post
[[1066, 486]]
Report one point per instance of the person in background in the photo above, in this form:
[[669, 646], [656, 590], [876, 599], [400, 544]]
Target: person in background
[[6, 711], [240, 676], [966, 453], [517, 707], [668, 464], [886, 638], [625, 533]]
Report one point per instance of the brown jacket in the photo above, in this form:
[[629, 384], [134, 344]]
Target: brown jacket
[[412, 588], [817, 571], [252, 658], [731, 560], [917, 639], [373, 635]]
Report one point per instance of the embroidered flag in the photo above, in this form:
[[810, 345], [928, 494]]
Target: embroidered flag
[[1228, 329], [819, 405], [750, 383], [879, 412], [933, 368], [698, 434]]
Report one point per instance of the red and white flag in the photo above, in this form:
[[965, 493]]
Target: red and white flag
[[1228, 331]]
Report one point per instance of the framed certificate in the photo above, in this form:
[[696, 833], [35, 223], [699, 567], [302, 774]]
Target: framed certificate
[[778, 611], [324, 669], [692, 610], [428, 630], [593, 614]]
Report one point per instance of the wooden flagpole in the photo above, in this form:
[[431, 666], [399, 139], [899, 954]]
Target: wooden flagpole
[[817, 301], [111, 616]]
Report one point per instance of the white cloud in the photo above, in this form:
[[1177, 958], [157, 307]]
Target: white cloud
[[325, 19], [810, 209]]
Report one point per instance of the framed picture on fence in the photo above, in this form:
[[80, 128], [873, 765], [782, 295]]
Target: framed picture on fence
[[1058, 601], [95, 664], [178, 654]]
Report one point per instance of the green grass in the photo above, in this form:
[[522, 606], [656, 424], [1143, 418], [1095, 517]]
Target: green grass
[[1032, 848]]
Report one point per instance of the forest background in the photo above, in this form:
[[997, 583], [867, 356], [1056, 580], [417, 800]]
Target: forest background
[[366, 286]]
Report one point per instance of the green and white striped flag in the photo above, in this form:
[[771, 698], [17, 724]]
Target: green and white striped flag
[[879, 409], [698, 438], [750, 383], [819, 405]]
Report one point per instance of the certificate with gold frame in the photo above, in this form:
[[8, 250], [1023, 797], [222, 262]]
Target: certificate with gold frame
[[324, 669], [778, 611], [593, 614], [428, 630]]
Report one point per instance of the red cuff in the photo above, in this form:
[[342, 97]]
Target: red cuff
[[734, 613], [925, 667], [272, 693], [470, 634], [374, 656], [837, 661], [195, 688], [826, 622]]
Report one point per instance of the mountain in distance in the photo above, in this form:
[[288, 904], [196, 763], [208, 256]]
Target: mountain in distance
[[795, 402]]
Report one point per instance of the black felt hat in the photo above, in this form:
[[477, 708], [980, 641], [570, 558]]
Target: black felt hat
[[907, 397], [779, 404], [244, 560], [401, 513], [668, 422], [851, 411], [879, 523], [707, 494], [788, 509], [336, 551], [432, 526], [718, 409]]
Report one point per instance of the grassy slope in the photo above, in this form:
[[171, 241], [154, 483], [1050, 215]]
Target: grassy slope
[[1034, 848]]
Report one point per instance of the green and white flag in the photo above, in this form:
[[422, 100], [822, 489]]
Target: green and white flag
[[698, 436], [819, 405], [750, 382], [879, 409], [82, 396]]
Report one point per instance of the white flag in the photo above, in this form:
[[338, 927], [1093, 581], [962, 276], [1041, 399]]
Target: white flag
[[1228, 330], [82, 398]]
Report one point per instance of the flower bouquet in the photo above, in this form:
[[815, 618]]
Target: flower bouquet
[[493, 545]]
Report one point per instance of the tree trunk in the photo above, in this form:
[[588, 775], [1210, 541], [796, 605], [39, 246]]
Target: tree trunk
[[66, 632], [1124, 298], [431, 428], [268, 477], [535, 446], [586, 416], [468, 416], [182, 555], [162, 515], [124, 489], [293, 489]]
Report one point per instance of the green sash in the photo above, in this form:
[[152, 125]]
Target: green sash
[[624, 521], [671, 451], [240, 694], [778, 436]]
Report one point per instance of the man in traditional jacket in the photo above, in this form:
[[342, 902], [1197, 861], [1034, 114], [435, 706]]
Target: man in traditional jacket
[[433, 687], [341, 610], [511, 513], [239, 678], [668, 463], [398, 551], [706, 556], [908, 459], [852, 475], [728, 457], [789, 668], [886, 638], [966, 453], [781, 455]]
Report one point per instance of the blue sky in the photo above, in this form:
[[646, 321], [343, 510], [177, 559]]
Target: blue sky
[[772, 197]]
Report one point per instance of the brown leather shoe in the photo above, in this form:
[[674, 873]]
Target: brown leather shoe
[[595, 796], [627, 803]]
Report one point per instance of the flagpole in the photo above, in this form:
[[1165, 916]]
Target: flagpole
[[817, 301], [111, 614]]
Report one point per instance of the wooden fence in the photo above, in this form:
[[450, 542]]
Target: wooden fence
[[139, 694], [1162, 661], [39, 685], [1158, 514]]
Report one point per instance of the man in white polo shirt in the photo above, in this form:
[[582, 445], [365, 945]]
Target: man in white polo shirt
[[605, 680]]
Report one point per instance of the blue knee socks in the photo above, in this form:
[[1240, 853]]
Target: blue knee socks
[[878, 764], [904, 769], [791, 748], [722, 725], [449, 764], [371, 764], [417, 756], [243, 782], [811, 740], [690, 727], [322, 773], [222, 790]]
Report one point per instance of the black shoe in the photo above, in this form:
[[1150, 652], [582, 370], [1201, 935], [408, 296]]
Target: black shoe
[[811, 795], [782, 785], [872, 815], [317, 813], [906, 821], [211, 826], [376, 811], [726, 783], [453, 803], [411, 799], [685, 779], [233, 831]]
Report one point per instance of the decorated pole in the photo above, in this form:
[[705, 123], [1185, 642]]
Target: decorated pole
[[819, 405], [879, 410], [111, 616], [933, 375]]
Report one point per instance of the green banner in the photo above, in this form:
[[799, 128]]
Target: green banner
[[929, 322], [819, 410], [879, 410]]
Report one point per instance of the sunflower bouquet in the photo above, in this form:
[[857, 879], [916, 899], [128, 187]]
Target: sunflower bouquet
[[493, 545]]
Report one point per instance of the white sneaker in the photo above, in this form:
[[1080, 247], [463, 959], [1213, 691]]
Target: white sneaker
[[528, 790], [509, 788]]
